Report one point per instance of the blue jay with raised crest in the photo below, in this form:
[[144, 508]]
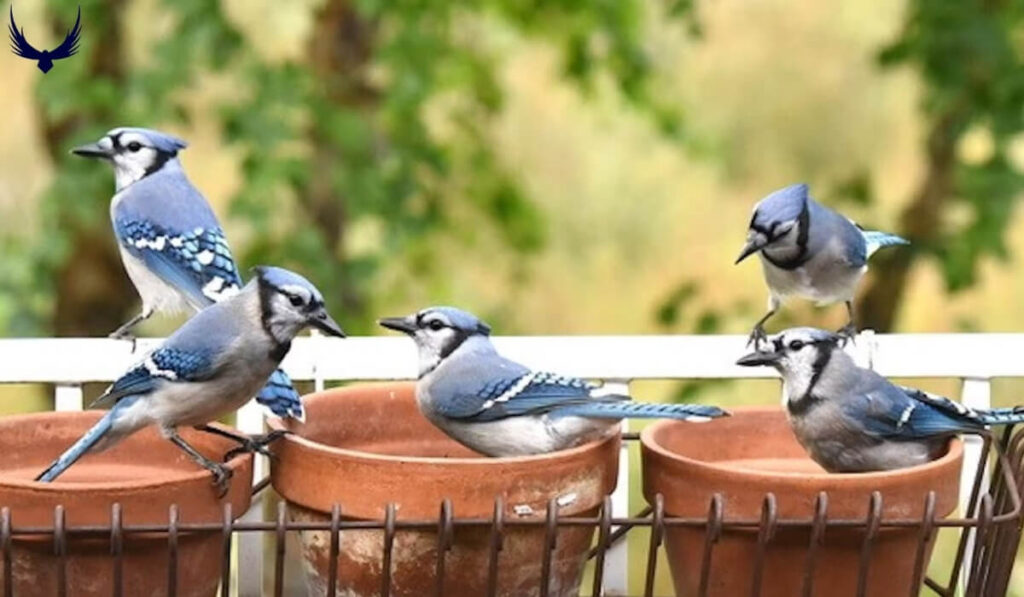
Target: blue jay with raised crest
[[171, 243], [810, 251], [209, 367], [501, 408], [851, 419]]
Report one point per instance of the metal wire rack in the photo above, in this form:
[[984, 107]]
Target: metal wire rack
[[989, 534]]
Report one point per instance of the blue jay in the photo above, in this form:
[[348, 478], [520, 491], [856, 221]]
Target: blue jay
[[809, 250], [171, 243], [209, 367], [851, 419], [500, 408]]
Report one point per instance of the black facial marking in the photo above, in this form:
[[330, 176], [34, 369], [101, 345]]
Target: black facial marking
[[279, 350], [824, 355], [267, 292], [801, 257], [456, 341], [162, 157]]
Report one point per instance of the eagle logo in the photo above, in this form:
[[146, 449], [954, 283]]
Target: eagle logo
[[44, 59]]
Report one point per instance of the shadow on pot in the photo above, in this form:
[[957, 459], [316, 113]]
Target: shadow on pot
[[754, 453], [145, 474], [367, 447]]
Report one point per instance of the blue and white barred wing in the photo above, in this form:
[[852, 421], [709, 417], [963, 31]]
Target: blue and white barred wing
[[197, 261], [898, 412], [163, 365], [280, 397], [530, 393]]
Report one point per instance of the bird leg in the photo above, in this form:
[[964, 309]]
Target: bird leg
[[758, 335], [221, 473], [254, 444], [849, 331], [124, 332]]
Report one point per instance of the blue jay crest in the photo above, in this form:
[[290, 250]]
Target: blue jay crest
[[44, 59]]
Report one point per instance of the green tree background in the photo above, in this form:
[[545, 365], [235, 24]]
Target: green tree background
[[558, 167]]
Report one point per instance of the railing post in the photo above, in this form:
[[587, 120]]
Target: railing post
[[67, 397], [250, 545], [616, 563], [976, 394]]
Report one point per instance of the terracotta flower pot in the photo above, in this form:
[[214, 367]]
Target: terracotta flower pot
[[367, 446], [753, 453], [145, 474]]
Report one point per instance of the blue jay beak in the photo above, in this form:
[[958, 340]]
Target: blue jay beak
[[753, 245], [399, 324], [92, 150], [323, 322], [759, 358]]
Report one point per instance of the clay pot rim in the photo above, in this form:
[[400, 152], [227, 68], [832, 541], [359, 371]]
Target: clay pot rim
[[276, 423], [647, 441], [65, 487]]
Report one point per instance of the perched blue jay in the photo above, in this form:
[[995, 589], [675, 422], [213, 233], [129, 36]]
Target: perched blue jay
[[500, 408], [809, 250], [209, 367], [171, 243], [851, 419]]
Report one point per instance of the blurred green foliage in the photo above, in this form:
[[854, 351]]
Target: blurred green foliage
[[380, 128]]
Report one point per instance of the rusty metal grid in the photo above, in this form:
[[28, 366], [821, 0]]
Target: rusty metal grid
[[989, 535]]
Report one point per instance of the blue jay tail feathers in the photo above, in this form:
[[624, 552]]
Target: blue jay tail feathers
[[1002, 416], [695, 413], [879, 240], [84, 444], [281, 398]]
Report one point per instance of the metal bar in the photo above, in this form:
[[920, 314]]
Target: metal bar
[[550, 542], [874, 519], [117, 548], [769, 514], [444, 543], [389, 544], [817, 539], [714, 531], [5, 544], [332, 563], [927, 535], [279, 549], [497, 542], [225, 559], [604, 529], [657, 534], [60, 548], [963, 550], [976, 579], [172, 551]]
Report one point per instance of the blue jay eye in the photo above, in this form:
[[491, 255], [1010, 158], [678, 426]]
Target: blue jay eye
[[796, 345], [134, 146], [435, 324], [295, 300]]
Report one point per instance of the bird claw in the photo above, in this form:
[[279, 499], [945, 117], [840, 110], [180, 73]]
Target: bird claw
[[257, 444], [847, 334], [221, 478], [757, 336]]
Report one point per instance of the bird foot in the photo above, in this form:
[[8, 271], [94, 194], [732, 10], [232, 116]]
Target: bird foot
[[257, 444], [123, 334], [757, 336], [847, 333], [221, 478]]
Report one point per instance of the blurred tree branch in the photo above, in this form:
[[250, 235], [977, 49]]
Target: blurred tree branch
[[970, 61]]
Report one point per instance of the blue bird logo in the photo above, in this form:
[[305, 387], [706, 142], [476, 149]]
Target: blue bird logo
[[45, 58]]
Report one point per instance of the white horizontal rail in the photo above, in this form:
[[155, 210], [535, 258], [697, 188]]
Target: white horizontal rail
[[77, 360]]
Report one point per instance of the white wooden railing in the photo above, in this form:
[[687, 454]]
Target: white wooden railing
[[974, 358]]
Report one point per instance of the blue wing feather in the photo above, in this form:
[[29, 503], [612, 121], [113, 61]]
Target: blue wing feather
[[529, 393], [896, 412], [192, 261], [164, 365], [280, 396]]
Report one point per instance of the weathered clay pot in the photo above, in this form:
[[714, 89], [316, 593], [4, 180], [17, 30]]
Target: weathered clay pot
[[145, 474], [366, 446], [754, 452]]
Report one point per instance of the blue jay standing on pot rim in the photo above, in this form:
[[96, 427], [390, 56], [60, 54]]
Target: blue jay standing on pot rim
[[209, 367], [171, 243], [809, 250], [499, 407], [851, 419]]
